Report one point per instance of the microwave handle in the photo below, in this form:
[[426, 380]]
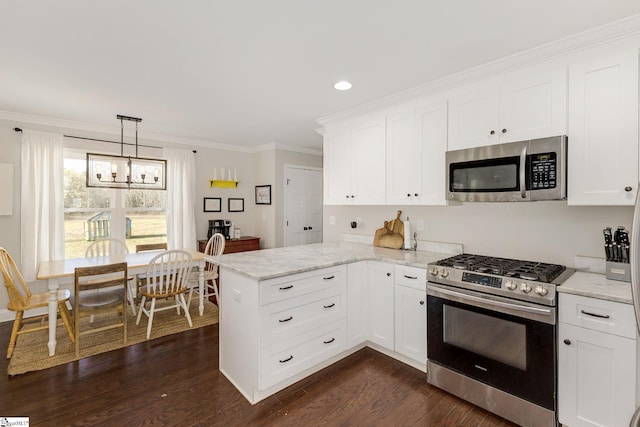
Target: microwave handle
[[523, 164]]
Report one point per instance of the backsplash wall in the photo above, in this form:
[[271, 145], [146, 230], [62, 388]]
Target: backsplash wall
[[537, 231]]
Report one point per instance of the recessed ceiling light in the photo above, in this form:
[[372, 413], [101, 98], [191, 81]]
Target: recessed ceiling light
[[343, 85]]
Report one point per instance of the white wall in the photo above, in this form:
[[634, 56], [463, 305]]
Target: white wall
[[536, 231]]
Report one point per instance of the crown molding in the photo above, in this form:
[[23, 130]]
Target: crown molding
[[286, 147], [67, 126], [619, 30]]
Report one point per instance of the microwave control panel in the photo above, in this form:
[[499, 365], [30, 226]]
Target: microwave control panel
[[543, 171]]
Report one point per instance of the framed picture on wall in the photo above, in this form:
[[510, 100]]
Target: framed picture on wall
[[212, 204], [263, 194], [236, 205]]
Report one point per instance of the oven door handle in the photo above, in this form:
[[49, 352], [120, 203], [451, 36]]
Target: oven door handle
[[523, 164], [547, 315]]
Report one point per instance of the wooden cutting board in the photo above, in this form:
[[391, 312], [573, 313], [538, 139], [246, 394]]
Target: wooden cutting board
[[391, 235]]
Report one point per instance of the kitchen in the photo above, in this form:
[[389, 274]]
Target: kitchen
[[548, 231]]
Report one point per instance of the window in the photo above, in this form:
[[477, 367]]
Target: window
[[134, 216]]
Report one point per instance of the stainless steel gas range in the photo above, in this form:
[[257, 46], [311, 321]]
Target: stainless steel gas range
[[491, 334]]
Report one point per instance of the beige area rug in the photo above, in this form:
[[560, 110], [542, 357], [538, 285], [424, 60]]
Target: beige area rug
[[31, 352]]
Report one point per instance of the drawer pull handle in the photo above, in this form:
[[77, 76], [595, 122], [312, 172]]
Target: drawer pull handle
[[329, 278], [285, 320], [330, 341], [286, 288], [287, 359], [410, 277], [333, 304], [602, 316]]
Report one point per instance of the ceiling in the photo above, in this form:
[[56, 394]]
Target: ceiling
[[248, 73]]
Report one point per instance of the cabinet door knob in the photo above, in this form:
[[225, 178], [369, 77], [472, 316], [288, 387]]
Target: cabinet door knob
[[388, 274], [408, 194], [628, 188], [567, 341], [504, 131], [310, 228], [421, 302], [493, 132], [416, 194], [306, 228]]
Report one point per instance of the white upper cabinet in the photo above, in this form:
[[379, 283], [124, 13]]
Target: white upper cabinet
[[603, 130], [522, 105], [416, 145], [354, 163]]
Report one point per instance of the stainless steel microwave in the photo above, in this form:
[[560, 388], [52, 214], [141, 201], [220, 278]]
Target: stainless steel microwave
[[515, 172]]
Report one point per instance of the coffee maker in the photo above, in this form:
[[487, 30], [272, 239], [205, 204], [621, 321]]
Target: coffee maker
[[222, 226]]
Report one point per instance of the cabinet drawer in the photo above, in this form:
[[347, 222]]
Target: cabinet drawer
[[596, 314], [283, 288], [283, 360], [286, 319], [412, 277]]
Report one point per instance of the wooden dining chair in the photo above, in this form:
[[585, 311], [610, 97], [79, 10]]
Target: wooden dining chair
[[167, 277], [215, 247], [142, 277], [21, 300], [145, 247], [106, 247], [112, 300], [110, 247]]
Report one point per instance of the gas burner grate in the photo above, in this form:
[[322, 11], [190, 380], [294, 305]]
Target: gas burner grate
[[527, 270]]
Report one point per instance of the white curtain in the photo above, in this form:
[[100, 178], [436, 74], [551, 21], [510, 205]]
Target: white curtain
[[181, 187], [42, 200]]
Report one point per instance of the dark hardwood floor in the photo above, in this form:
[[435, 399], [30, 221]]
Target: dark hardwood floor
[[175, 381]]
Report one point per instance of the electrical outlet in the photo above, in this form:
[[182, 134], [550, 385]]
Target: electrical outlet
[[420, 224], [332, 220]]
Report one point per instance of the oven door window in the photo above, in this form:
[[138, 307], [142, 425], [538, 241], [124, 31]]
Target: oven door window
[[492, 175], [510, 353], [488, 336]]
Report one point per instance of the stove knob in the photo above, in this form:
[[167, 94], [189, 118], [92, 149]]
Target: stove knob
[[525, 287], [433, 271], [511, 285], [541, 290], [444, 272]]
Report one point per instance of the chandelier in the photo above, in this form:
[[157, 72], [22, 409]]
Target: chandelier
[[110, 171]]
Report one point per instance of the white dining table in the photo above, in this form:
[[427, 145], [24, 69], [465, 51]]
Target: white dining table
[[61, 272]]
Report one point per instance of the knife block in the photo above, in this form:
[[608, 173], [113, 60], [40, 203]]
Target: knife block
[[618, 271]]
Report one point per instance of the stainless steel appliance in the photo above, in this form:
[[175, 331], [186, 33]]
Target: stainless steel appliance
[[518, 171], [491, 334], [222, 226], [634, 260]]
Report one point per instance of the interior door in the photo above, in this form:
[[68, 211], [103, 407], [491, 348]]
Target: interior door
[[303, 205]]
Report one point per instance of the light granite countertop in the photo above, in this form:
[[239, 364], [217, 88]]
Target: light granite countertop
[[270, 263], [596, 285]]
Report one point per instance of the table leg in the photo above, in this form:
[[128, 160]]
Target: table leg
[[53, 315], [201, 288]]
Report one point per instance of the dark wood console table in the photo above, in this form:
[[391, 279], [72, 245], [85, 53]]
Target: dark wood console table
[[243, 244]]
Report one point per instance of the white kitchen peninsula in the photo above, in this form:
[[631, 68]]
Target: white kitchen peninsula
[[285, 313]]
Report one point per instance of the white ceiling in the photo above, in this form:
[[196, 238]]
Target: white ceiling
[[252, 72]]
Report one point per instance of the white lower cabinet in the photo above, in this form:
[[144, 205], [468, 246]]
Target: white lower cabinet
[[275, 332], [411, 313], [357, 303], [381, 305], [596, 362]]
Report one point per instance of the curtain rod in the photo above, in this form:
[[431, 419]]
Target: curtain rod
[[102, 140]]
